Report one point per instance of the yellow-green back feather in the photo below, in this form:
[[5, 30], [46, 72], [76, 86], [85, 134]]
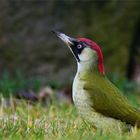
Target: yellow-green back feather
[[108, 100]]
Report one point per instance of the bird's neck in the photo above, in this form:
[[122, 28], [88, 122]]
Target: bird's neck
[[87, 68]]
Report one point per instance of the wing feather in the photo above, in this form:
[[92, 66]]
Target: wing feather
[[108, 100]]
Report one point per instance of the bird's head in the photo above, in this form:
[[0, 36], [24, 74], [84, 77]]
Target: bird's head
[[84, 50]]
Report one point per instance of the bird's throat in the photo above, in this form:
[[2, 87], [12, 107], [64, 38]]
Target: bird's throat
[[87, 68]]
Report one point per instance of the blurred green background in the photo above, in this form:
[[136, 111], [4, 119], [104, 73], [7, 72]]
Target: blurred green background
[[36, 66], [27, 44]]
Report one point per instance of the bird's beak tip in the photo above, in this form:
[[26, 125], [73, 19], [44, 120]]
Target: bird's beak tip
[[55, 32], [62, 36]]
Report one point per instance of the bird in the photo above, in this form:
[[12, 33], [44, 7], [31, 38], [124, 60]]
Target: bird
[[96, 98]]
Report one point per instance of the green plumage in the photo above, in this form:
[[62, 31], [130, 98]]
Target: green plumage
[[95, 97], [102, 104], [109, 101]]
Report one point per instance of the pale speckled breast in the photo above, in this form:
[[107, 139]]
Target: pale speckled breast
[[84, 106], [81, 98]]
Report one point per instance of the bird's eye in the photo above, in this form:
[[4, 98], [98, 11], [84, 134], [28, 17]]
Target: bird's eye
[[79, 46]]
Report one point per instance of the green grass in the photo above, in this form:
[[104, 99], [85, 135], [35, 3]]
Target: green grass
[[59, 121], [36, 121]]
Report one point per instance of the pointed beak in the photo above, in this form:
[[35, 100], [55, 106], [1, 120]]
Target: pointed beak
[[69, 41], [66, 39]]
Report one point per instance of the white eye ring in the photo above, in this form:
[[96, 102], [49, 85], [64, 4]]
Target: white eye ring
[[79, 46]]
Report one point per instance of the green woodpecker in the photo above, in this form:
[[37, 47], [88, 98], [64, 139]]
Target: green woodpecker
[[95, 97]]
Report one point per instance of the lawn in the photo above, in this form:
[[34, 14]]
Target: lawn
[[59, 120]]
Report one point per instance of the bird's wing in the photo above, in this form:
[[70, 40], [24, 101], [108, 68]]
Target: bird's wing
[[108, 100]]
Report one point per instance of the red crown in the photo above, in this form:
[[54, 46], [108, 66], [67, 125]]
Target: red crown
[[96, 48]]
